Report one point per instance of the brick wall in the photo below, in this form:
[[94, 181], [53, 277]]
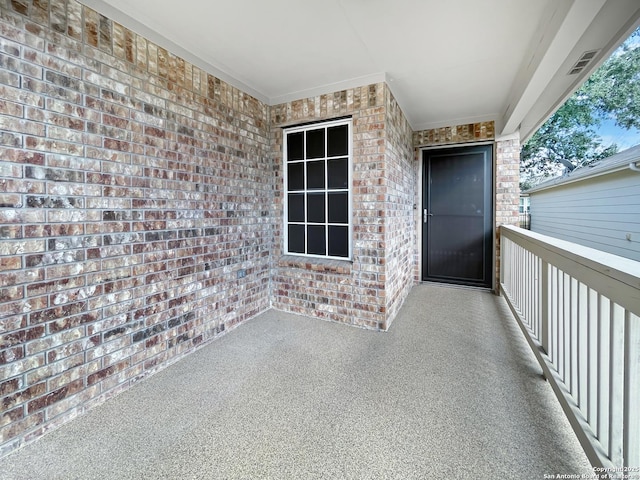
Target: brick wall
[[507, 193], [401, 182], [135, 218], [369, 290], [466, 133], [345, 291]]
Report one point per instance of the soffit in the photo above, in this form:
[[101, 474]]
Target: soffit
[[447, 62]]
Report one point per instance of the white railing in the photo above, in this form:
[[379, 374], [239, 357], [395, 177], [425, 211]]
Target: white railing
[[580, 311]]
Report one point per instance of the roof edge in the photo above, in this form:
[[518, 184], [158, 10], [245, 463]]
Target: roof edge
[[616, 163]]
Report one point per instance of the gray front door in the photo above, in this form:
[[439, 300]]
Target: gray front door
[[457, 214]]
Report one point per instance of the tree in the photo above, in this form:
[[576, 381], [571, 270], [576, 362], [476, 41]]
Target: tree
[[569, 135]]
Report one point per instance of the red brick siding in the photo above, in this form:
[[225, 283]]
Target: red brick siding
[[400, 179], [134, 187], [349, 292], [507, 189]]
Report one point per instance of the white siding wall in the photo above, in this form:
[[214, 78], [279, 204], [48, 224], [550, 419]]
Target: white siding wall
[[600, 212]]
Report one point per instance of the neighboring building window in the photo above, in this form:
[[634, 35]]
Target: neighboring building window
[[317, 178]]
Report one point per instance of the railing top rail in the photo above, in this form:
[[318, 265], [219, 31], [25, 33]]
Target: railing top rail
[[616, 277]]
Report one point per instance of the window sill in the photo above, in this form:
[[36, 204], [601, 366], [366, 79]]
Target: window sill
[[324, 265]]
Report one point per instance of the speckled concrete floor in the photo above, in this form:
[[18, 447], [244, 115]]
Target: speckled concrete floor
[[452, 391]]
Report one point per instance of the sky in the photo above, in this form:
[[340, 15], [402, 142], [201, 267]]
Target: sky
[[611, 133], [608, 131]]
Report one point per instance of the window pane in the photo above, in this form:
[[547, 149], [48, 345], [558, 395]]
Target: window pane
[[338, 173], [296, 207], [315, 175], [337, 141], [295, 146], [338, 241], [315, 208], [315, 143], [316, 242], [318, 189], [295, 176], [338, 207], [296, 238]]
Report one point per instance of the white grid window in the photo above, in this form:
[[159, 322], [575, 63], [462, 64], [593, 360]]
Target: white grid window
[[317, 200]]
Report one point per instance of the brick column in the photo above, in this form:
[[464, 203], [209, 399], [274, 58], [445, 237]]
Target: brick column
[[507, 188]]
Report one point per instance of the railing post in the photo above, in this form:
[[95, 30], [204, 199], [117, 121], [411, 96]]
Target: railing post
[[503, 255], [632, 391], [616, 385], [544, 306]]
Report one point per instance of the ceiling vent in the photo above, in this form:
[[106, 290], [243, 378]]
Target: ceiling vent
[[583, 61]]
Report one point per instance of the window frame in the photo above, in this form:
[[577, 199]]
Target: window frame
[[326, 190]]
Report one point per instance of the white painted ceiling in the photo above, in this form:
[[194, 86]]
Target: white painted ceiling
[[447, 62]]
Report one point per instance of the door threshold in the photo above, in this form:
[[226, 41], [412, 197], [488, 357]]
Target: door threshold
[[456, 285]]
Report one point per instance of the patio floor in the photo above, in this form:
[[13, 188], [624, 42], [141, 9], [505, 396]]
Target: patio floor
[[452, 391]]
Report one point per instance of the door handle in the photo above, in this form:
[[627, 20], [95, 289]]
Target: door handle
[[426, 214]]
